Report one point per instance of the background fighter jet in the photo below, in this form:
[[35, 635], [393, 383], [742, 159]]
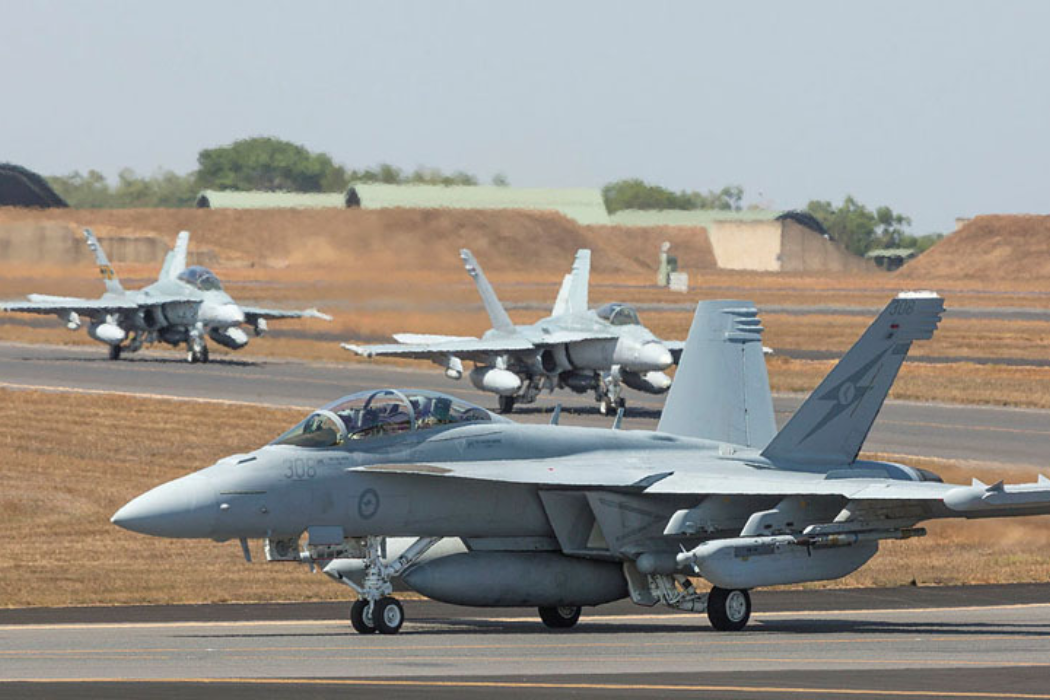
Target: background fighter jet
[[575, 347], [184, 305], [560, 517]]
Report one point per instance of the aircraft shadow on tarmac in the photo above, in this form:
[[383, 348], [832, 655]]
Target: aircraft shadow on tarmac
[[220, 361], [785, 627]]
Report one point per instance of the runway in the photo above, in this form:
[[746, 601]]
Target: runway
[[978, 642], [1007, 436]]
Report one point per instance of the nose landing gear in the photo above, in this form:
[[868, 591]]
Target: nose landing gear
[[376, 610]]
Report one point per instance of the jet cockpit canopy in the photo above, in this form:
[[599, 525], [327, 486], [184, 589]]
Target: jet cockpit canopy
[[382, 412], [619, 314], [200, 277]]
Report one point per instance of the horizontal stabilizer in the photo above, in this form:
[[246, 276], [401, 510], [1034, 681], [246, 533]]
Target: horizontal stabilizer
[[829, 429]]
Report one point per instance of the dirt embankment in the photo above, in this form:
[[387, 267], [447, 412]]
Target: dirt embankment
[[408, 239], [1002, 247]]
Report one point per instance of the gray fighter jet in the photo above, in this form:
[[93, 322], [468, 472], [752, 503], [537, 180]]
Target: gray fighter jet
[[557, 517], [185, 305], [578, 348]]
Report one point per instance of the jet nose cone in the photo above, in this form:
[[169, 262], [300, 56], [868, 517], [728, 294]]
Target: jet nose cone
[[654, 356], [185, 507]]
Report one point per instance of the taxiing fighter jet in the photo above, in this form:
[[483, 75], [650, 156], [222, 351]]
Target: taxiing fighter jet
[[559, 517], [575, 347], [184, 305]]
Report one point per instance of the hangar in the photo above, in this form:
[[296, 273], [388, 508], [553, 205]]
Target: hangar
[[21, 187], [758, 239], [582, 205]]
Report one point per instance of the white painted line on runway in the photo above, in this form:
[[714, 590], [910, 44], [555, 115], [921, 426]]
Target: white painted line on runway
[[144, 395]]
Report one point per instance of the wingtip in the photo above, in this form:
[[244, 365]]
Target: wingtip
[[356, 349]]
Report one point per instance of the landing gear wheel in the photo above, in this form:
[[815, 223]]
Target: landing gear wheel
[[506, 404], [728, 610], [562, 617], [114, 352], [388, 615], [621, 403], [204, 353], [361, 617]]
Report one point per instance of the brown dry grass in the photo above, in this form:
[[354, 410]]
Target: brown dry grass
[[71, 460]]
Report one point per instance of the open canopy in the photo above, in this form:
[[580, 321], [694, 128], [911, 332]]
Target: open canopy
[[383, 412]]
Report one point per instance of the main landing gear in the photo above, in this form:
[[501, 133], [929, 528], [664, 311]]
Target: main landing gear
[[561, 617], [728, 609], [506, 404], [114, 352], [377, 610]]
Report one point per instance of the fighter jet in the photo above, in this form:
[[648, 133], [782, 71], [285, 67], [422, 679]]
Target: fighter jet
[[578, 348], [184, 305], [564, 517]]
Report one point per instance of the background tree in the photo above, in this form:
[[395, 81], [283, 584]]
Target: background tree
[[635, 193], [267, 163], [92, 191], [860, 229]]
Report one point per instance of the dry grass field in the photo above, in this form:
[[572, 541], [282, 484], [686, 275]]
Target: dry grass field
[[70, 460]]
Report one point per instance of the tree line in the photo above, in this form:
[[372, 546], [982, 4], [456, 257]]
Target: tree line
[[271, 164]]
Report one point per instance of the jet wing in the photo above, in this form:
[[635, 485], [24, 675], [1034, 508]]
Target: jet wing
[[46, 305], [253, 313], [465, 348]]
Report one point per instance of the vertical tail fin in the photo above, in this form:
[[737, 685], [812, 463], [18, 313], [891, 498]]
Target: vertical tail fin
[[721, 389], [831, 426], [497, 314], [109, 277], [572, 297], [175, 260]]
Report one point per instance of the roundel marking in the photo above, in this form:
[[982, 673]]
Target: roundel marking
[[368, 504]]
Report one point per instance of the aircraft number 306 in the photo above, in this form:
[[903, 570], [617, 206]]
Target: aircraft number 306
[[902, 307], [300, 469]]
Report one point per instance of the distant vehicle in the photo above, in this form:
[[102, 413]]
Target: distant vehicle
[[185, 305], [577, 348], [559, 518]]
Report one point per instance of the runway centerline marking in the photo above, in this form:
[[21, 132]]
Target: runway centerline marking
[[529, 685]]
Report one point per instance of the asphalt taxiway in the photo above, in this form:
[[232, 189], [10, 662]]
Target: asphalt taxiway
[[997, 435], [963, 642]]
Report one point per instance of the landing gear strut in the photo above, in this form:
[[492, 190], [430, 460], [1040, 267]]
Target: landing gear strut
[[197, 352], [376, 610], [506, 404], [114, 352], [608, 392]]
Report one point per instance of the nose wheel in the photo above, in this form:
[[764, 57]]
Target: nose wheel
[[376, 610]]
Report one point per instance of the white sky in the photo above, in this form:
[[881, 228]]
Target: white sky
[[937, 109]]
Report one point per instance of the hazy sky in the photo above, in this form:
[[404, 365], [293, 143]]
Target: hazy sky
[[938, 109]]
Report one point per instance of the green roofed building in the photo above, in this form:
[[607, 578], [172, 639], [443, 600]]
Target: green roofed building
[[217, 199], [584, 205], [688, 217]]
